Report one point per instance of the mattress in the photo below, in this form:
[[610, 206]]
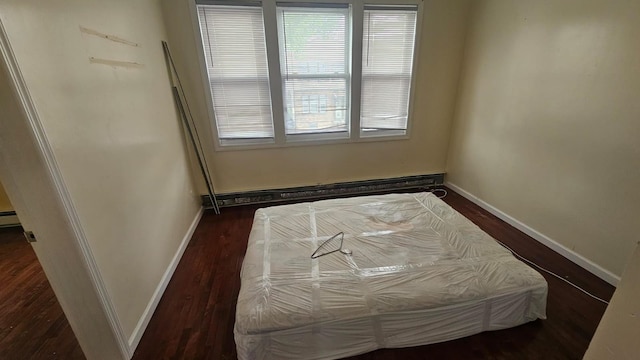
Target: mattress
[[413, 271]]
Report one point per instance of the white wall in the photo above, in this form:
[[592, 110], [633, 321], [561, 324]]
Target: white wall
[[440, 54], [5, 204], [25, 173], [546, 127], [617, 334], [115, 135]]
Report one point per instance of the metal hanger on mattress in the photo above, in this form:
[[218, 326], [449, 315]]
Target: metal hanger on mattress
[[339, 235]]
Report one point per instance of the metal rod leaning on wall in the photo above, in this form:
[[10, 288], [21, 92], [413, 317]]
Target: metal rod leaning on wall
[[183, 116], [188, 121]]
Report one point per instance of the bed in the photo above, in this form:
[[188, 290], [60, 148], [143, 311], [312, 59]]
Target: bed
[[412, 271]]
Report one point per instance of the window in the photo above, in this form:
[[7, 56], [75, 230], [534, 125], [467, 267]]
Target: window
[[236, 58], [314, 39], [322, 104], [305, 104], [339, 108], [283, 72], [387, 62], [313, 104]]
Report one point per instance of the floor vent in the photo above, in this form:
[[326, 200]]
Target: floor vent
[[344, 189]]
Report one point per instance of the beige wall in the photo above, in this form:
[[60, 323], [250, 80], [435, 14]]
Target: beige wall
[[26, 176], [546, 126], [617, 334], [5, 204], [115, 134], [441, 47]]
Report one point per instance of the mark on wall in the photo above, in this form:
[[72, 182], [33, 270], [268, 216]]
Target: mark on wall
[[111, 50], [126, 64], [107, 36]]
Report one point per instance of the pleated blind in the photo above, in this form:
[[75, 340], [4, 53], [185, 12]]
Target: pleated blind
[[314, 61], [235, 53], [387, 62]]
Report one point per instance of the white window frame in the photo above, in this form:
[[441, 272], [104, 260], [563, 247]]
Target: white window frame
[[314, 98], [277, 97]]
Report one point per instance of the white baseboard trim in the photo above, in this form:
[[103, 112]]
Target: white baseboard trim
[[571, 255], [135, 337]]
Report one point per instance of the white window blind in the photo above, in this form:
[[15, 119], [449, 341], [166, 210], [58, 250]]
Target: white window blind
[[235, 53], [314, 47], [387, 63]]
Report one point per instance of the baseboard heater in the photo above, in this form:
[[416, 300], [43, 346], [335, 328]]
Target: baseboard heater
[[343, 189], [8, 219]]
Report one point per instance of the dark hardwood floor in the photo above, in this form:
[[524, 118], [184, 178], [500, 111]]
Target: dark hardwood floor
[[32, 324], [194, 319]]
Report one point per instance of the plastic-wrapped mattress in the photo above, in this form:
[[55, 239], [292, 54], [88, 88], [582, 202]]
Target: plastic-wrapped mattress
[[418, 273]]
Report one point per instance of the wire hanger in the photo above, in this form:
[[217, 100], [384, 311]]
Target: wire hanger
[[315, 254]]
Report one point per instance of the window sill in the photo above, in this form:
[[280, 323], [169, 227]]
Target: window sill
[[310, 140]]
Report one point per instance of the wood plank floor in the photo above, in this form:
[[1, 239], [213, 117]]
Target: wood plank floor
[[32, 324], [194, 319]]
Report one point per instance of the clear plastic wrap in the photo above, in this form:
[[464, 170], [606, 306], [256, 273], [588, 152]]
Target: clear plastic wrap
[[418, 273]]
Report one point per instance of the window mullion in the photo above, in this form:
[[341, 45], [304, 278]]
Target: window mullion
[[356, 67], [275, 76], [414, 69]]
